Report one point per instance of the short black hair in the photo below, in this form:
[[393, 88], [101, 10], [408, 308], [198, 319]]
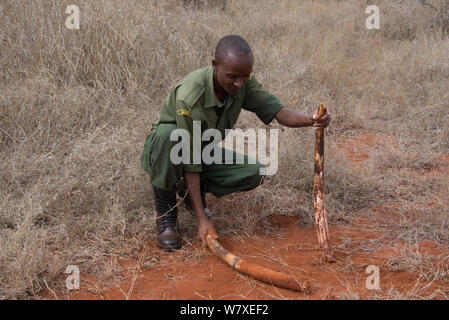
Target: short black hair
[[234, 44]]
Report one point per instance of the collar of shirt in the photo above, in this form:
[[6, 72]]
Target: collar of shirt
[[211, 99]]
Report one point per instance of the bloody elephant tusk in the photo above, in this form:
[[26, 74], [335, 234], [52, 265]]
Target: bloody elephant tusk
[[318, 194]]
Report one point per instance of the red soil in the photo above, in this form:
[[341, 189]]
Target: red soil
[[357, 149]]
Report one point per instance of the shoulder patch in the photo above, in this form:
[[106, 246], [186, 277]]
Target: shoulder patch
[[183, 112]]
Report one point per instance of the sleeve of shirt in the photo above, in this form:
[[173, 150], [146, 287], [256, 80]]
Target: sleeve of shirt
[[184, 121], [260, 101]]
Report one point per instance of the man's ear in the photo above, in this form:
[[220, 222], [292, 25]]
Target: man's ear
[[214, 64]]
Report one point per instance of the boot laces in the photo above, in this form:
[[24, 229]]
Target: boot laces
[[167, 219]]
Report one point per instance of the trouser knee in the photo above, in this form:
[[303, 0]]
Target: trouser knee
[[155, 158]]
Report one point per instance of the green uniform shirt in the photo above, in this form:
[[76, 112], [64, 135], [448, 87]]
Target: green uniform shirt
[[193, 98]]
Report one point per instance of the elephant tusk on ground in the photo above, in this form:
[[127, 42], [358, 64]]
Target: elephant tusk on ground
[[256, 271]]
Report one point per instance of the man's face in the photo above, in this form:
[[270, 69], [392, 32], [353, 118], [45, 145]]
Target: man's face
[[232, 72]]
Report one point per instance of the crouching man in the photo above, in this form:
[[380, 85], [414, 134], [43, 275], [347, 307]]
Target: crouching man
[[213, 97]]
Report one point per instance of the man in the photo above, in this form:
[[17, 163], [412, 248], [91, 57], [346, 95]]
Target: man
[[214, 96]]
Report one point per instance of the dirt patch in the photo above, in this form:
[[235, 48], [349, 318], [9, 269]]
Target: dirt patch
[[357, 148]]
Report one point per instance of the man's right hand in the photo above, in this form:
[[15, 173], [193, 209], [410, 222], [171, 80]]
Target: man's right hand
[[205, 227], [192, 180]]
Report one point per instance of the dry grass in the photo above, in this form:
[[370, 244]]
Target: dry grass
[[428, 267], [76, 105]]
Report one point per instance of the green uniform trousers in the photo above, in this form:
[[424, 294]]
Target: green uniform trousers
[[221, 179]]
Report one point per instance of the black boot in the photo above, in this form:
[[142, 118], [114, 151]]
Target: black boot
[[167, 215], [182, 193]]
